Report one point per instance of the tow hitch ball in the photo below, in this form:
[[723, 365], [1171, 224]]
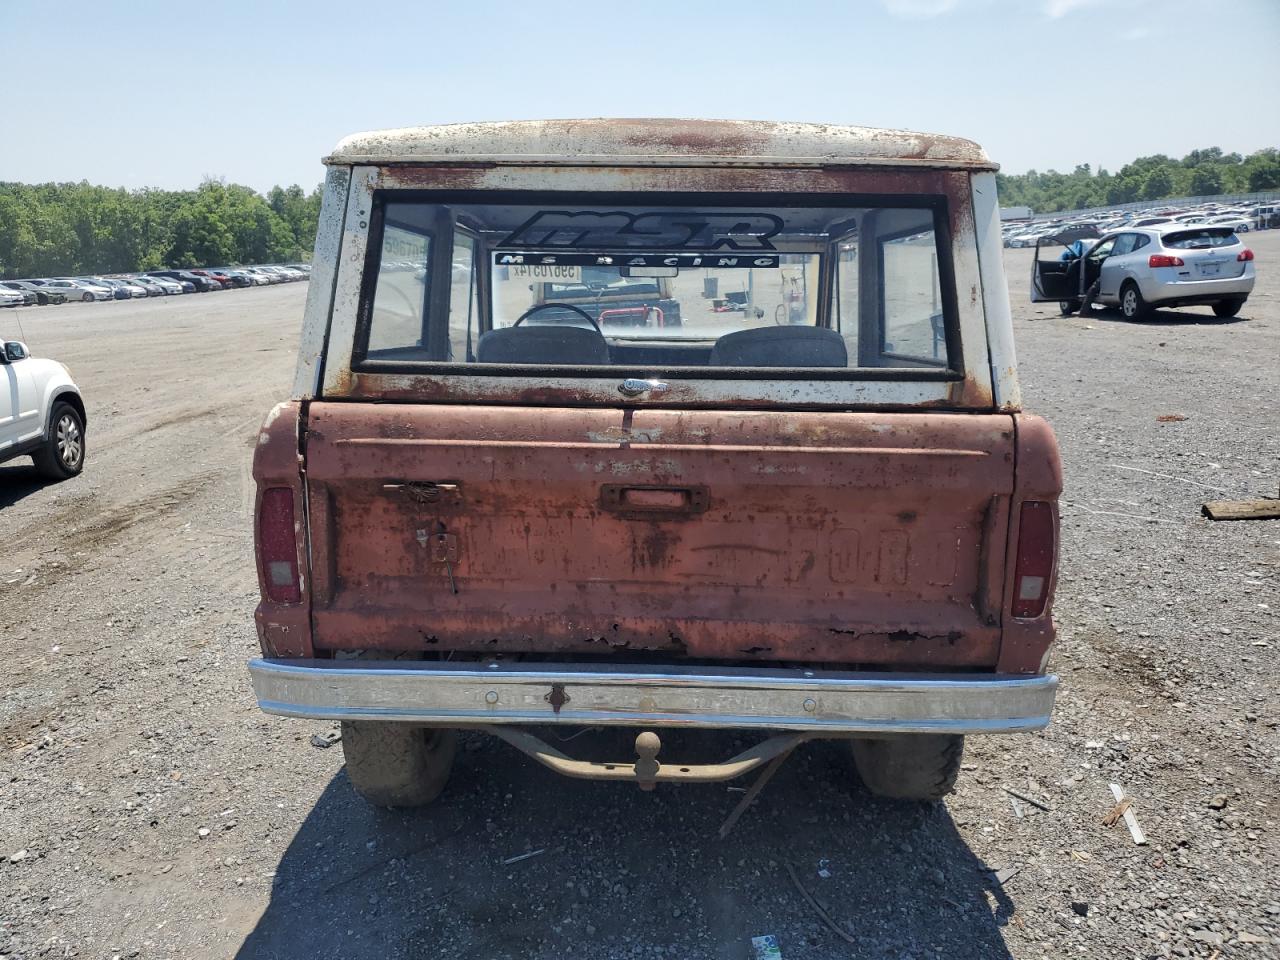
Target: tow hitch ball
[[647, 746]]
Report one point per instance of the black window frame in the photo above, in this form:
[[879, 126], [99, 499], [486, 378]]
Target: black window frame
[[442, 258]]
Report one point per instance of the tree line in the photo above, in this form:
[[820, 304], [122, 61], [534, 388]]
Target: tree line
[[1201, 173], [72, 229]]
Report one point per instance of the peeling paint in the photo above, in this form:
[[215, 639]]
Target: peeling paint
[[669, 142]]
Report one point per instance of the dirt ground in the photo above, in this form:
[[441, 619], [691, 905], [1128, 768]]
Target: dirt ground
[[148, 809]]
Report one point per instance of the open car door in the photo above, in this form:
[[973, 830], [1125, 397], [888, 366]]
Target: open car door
[[1055, 269]]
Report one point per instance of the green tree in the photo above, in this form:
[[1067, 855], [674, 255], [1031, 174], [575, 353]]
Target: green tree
[[201, 236], [1158, 184], [1124, 189], [1262, 170], [1206, 181]]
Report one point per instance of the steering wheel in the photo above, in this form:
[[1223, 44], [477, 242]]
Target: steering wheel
[[566, 306]]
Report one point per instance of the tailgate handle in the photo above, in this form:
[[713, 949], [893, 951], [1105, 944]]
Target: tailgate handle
[[426, 491], [632, 500]]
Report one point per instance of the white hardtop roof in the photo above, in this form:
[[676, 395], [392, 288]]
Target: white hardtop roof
[[662, 142]]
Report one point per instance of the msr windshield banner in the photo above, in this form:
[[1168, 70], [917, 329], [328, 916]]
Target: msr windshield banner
[[631, 260], [619, 230]]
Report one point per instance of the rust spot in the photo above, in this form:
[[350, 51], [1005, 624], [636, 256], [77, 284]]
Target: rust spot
[[702, 136], [468, 176], [653, 548], [908, 636]]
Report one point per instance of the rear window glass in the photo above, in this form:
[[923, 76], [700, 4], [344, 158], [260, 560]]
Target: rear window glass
[[1202, 238], [656, 287]]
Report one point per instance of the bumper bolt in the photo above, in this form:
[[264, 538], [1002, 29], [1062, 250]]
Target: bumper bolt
[[810, 706]]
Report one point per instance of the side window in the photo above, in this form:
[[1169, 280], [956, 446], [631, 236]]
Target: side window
[[464, 306], [1103, 250], [1124, 244], [910, 303], [401, 302]]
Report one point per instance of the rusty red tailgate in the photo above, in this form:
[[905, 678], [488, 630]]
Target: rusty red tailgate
[[852, 538]]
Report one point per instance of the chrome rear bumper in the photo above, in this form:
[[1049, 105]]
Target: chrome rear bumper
[[813, 701]]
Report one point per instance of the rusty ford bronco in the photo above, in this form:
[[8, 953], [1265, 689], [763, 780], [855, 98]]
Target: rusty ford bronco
[[657, 424]]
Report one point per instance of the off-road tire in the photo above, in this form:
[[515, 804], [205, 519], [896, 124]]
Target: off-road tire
[[1227, 308], [916, 766], [1132, 306], [397, 764], [1068, 307], [61, 456]]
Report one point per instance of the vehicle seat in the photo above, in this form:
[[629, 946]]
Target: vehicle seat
[[780, 347], [552, 343]]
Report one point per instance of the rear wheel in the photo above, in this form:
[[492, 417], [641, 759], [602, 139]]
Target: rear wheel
[[397, 764], [1227, 308], [62, 454], [1132, 306], [917, 766], [1068, 307]]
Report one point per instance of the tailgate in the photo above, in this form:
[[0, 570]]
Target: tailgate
[[853, 538]]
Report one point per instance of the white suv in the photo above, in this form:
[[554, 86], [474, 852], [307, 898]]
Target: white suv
[[1141, 269], [41, 413]]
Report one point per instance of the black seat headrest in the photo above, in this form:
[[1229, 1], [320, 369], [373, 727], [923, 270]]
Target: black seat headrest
[[551, 343], [780, 347]]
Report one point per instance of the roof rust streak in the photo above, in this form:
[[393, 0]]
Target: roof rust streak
[[665, 142]]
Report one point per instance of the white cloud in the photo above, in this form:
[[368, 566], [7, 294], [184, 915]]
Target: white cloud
[[1137, 33], [1055, 9], [919, 9]]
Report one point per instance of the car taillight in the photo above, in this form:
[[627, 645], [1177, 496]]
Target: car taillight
[[1245, 255], [278, 545], [1033, 570], [1163, 260]]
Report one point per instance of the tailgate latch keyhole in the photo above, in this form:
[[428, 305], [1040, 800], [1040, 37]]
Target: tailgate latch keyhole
[[444, 549]]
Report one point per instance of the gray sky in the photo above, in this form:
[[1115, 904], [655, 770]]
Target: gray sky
[[137, 94]]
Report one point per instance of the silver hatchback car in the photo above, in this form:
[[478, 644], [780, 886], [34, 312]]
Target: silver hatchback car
[[1141, 268]]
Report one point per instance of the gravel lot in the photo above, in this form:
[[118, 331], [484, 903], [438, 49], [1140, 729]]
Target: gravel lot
[[147, 809]]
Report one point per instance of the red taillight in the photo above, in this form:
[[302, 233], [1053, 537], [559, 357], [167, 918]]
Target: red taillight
[[1163, 260], [1245, 255], [1033, 571], [278, 546]]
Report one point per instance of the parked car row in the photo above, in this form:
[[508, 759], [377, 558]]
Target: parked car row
[[154, 283], [1240, 218]]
